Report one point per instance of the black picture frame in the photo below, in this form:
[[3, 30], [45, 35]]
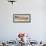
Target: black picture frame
[[29, 18]]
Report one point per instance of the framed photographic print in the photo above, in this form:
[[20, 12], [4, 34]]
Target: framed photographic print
[[21, 18]]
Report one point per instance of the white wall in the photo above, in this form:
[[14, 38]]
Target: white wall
[[37, 27]]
